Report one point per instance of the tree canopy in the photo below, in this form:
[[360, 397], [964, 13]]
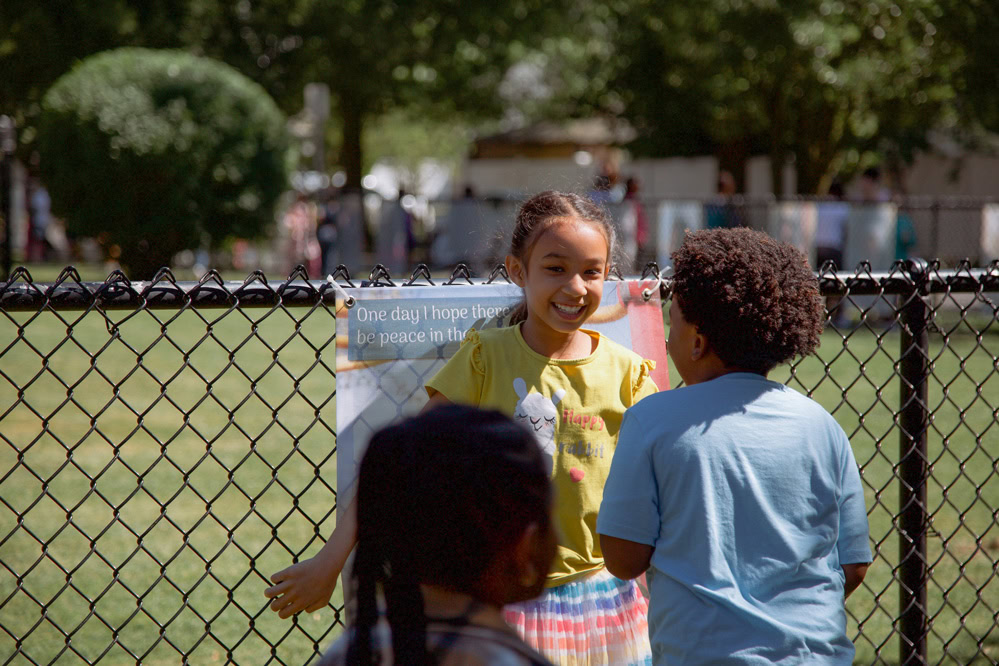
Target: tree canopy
[[831, 84], [154, 151], [828, 84], [442, 57]]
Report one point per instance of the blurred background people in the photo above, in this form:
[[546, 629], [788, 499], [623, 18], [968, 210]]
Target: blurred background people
[[830, 233], [721, 212], [644, 252], [39, 218], [394, 237], [326, 233], [301, 246]]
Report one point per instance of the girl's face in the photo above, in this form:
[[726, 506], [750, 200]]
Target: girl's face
[[563, 278]]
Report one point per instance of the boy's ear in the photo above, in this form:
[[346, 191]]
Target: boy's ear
[[699, 349], [515, 269]]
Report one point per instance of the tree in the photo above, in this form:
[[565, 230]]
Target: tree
[[41, 41], [826, 83], [154, 151], [971, 27], [444, 57]]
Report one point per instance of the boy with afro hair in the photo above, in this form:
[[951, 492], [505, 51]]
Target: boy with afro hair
[[738, 494]]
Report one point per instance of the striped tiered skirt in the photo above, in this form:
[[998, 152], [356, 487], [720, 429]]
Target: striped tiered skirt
[[599, 620]]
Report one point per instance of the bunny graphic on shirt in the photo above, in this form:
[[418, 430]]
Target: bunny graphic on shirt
[[539, 414]]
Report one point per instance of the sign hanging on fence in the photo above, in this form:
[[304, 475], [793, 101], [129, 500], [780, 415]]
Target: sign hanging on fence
[[394, 339]]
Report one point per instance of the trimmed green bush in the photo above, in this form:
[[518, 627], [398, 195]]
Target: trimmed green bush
[[157, 151]]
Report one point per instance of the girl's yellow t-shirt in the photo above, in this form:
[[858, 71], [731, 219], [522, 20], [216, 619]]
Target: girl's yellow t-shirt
[[574, 407]]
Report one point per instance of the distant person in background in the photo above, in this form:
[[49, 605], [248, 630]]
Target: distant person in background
[[645, 252], [300, 226], [830, 236], [870, 187], [601, 193], [905, 231], [607, 188], [720, 212], [39, 217], [830, 239], [395, 236], [326, 233], [461, 235], [453, 523]]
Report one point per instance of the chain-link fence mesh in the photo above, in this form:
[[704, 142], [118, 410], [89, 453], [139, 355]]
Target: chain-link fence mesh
[[167, 446]]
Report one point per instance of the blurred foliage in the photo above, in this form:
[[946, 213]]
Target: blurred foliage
[[405, 140], [41, 41], [157, 151], [834, 85], [438, 58]]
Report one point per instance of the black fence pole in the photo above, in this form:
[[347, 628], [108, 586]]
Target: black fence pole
[[913, 420]]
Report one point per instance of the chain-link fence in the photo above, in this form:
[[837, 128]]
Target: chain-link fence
[[167, 446]]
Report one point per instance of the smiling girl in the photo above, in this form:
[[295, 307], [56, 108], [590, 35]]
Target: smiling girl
[[570, 386]]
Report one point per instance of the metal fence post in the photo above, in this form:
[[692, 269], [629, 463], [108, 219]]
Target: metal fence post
[[913, 420]]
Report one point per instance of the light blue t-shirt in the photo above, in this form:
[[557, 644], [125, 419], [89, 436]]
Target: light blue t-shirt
[[750, 495]]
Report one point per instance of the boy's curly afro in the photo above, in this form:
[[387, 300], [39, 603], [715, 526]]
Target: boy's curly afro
[[755, 299]]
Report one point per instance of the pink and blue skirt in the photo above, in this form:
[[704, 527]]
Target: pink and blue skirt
[[598, 620]]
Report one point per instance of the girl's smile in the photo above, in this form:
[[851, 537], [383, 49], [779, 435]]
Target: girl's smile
[[569, 312]]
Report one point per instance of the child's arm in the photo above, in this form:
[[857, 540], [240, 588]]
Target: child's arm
[[309, 584], [854, 577], [437, 399], [625, 559]]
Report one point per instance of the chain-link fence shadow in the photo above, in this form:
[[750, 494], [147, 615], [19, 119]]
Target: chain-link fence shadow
[[167, 446]]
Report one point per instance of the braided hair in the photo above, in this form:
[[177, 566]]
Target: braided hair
[[439, 496]]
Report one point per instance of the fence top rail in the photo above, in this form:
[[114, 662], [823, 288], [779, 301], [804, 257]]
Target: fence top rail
[[117, 292]]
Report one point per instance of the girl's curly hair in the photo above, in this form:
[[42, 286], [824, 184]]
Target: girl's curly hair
[[755, 299]]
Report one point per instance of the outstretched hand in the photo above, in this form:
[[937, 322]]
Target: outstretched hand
[[306, 586]]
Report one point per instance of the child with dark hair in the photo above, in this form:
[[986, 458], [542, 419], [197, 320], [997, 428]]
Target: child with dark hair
[[453, 522], [742, 494]]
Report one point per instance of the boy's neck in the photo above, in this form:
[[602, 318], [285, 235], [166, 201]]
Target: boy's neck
[[555, 344], [711, 367]]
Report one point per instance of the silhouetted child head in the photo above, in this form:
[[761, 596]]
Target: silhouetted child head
[[744, 297], [458, 498]]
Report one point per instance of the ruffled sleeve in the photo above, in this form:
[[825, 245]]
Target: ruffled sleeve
[[642, 383], [462, 377], [474, 343]]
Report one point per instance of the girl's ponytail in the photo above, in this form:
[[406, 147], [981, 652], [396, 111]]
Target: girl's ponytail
[[519, 313]]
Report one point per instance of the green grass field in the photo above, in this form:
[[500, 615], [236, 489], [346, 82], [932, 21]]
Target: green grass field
[[185, 503], [146, 493]]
